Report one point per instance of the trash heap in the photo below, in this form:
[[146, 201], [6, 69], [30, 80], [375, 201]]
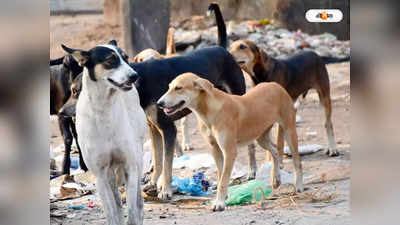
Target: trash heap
[[277, 42]]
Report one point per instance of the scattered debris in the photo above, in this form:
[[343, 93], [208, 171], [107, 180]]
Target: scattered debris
[[305, 149], [264, 173], [195, 186], [277, 42], [243, 193]]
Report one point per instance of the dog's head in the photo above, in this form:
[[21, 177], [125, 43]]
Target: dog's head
[[183, 92], [69, 108], [146, 55], [106, 63], [247, 55], [72, 66]]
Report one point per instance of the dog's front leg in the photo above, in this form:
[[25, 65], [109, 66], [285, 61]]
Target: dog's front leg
[[107, 196], [81, 161], [64, 123], [229, 149], [134, 196]]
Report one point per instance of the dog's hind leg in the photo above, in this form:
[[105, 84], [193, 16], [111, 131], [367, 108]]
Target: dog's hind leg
[[157, 144], [75, 135], [185, 134], [168, 130], [280, 145], [251, 174], [325, 100], [134, 195], [265, 142], [105, 188], [64, 123], [290, 134]]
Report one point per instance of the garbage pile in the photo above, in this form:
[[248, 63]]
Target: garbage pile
[[277, 42]]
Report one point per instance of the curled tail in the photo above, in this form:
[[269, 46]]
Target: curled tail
[[222, 37], [329, 60], [170, 42]]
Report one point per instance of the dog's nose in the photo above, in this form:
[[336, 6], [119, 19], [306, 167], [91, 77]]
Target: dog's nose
[[160, 104], [133, 77]]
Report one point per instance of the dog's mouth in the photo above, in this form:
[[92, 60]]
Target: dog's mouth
[[241, 62], [171, 110], [124, 86]]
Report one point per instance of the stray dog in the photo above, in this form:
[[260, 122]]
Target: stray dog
[[111, 126], [215, 64], [297, 75], [227, 121], [148, 54], [62, 73], [212, 63]]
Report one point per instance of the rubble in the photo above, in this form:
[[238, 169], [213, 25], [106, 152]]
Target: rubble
[[277, 42]]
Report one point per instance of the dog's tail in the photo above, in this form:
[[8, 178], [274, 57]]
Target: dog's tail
[[58, 61], [329, 60], [222, 37], [170, 42]]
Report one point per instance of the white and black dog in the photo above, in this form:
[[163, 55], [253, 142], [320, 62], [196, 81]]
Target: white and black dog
[[111, 126]]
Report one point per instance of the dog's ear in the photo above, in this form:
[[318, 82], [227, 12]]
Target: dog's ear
[[113, 42], [136, 59], [82, 57], [203, 84]]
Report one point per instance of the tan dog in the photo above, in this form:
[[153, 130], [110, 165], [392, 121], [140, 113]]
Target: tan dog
[[153, 54], [297, 74], [227, 121], [148, 54]]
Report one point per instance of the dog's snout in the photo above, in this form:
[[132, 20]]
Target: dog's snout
[[133, 77], [161, 104]]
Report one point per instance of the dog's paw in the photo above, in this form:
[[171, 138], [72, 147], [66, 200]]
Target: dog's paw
[[165, 194], [332, 152], [149, 187], [218, 206], [299, 188], [276, 182], [187, 147]]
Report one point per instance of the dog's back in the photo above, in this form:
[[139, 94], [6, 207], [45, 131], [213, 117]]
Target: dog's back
[[262, 105], [213, 63]]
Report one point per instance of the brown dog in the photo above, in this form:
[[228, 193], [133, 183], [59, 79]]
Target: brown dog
[[297, 75], [227, 121]]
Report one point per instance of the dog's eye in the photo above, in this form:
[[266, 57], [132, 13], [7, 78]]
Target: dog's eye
[[112, 57], [242, 46], [178, 88]]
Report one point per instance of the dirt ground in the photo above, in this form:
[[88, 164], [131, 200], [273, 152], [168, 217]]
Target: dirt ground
[[88, 30]]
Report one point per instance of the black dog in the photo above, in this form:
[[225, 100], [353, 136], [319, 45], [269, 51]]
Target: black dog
[[62, 73], [214, 64]]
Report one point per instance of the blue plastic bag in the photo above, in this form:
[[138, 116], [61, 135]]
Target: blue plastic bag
[[195, 186]]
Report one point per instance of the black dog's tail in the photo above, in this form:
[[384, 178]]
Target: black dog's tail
[[329, 60], [56, 61], [222, 37]]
